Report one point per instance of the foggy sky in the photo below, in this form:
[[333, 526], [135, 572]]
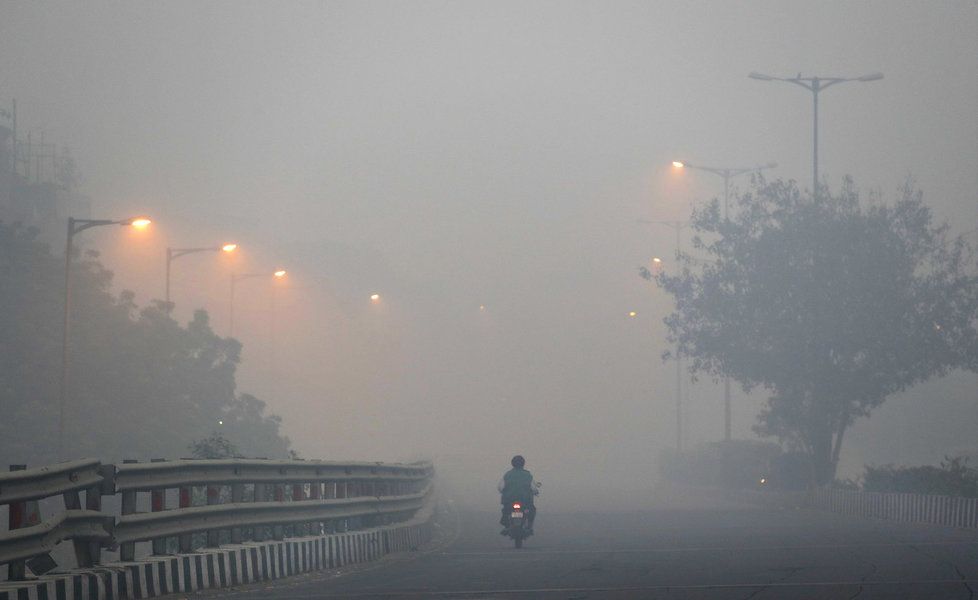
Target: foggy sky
[[449, 155]]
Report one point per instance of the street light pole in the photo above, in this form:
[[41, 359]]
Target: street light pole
[[815, 85], [175, 253], [76, 226], [678, 226], [235, 278], [727, 173]]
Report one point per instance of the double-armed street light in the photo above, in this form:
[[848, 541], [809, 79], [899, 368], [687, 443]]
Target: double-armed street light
[[727, 173], [175, 253], [815, 85], [76, 226], [235, 278]]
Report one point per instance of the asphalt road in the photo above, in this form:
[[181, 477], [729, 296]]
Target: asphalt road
[[709, 554]]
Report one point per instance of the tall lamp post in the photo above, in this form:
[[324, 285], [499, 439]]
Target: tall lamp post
[[678, 226], [77, 226], [727, 173], [175, 253], [815, 85], [235, 278]]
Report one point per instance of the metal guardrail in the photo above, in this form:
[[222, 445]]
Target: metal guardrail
[[177, 473], [171, 523], [75, 525], [44, 482], [245, 499]]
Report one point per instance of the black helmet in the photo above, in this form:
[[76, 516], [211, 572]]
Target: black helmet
[[518, 461]]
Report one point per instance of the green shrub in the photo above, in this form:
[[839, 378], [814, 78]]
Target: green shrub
[[952, 478]]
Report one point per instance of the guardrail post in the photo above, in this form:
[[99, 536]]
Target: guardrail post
[[298, 495], [261, 495], [186, 540], [17, 518], [237, 497], [158, 504], [93, 501], [213, 497], [85, 552], [127, 551], [278, 531], [316, 493]]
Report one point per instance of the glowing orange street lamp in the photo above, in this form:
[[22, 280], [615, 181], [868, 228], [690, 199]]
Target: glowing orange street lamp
[[632, 313], [77, 226], [678, 164], [175, 253], [280, 273], [374, 297]]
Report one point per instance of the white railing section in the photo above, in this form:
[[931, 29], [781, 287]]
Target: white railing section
[[951, 511]]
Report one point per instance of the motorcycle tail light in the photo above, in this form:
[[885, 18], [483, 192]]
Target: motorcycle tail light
[[517, 506]]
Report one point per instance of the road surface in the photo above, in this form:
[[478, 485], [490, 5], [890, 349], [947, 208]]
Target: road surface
[[691, 554]]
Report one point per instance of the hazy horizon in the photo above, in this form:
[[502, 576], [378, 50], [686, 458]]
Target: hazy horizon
[[483, 168]]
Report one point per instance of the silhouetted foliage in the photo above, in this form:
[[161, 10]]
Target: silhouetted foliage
[[214, 446], [140, 384], [831, 305], [952, 478]]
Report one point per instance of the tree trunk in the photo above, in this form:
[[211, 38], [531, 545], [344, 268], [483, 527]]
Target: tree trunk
[[825, 450], [838, 446], [823, 469]]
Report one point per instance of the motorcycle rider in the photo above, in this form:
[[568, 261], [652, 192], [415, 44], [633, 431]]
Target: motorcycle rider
[[517, 486]]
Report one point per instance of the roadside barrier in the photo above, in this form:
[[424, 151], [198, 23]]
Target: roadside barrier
[[950, 511], [248, 520]]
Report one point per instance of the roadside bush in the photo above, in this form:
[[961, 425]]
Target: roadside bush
[[952, 478]]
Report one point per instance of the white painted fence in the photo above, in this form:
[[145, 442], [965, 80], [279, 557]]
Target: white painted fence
[[952, 511]]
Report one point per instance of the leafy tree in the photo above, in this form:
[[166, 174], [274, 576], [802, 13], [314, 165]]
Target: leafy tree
[[256, 433], [141, 384], [214, 446], [831, 305]]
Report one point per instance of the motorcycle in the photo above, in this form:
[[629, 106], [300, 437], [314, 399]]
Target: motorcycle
[[519, 523], [519, 528]]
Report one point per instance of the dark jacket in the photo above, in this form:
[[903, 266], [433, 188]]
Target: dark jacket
[[517, 486]]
